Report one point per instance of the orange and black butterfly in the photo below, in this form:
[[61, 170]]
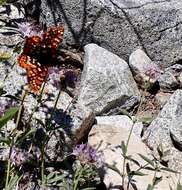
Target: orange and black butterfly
[[38, 54]]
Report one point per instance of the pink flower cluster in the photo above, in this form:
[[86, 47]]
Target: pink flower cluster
[[30, 29], [152, 71], [87, 154], [55, 73], [18, 157]]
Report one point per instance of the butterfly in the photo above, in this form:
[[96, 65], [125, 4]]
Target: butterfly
[[38, 54]]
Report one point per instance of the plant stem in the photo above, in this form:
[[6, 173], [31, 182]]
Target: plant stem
[[38, 100], [129, 136], [42, 165], [12, 140], [47, 140], [20, 111], [8, 171], [124, 161]]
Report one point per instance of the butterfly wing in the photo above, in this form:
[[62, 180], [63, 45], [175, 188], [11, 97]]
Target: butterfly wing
[[36, 73], [32, 45], [52, 38]]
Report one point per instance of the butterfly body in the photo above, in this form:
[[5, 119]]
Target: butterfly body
[[38, 54]]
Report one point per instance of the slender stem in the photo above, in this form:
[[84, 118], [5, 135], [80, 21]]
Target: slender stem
[[46, 141], [42, 165], [56, 102], [124, 161], [54, 107], [20, 111], [38, 100], [129, 136], [155, 173], [8, 171], [12, 140]]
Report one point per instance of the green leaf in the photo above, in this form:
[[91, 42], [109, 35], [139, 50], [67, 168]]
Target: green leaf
[[14, 180], [5, 140], [149, 168], [51, 175], [138, 173], [2, 2], [124, 112], [150, 187], [9, 114], [128, 170], [169, 170], [123, 148], [156, 180], [12, 97], [146, 159], [17, 49], [4, 55], [179, 186], [146, 120], [133, 160], [2, 91], [56, 179]]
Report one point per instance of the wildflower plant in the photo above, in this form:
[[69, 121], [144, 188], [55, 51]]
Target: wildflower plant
[[86, 167], [152, 71], [126, 173], [86, 154]]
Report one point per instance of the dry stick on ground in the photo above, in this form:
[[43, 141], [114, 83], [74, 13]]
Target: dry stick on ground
[[82, 133]]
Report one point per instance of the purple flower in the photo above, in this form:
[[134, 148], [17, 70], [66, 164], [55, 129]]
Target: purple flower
[[152, 71], [70, 77], [87, 154], [56, 75], [2, 109], [18, 157], [30, 29]]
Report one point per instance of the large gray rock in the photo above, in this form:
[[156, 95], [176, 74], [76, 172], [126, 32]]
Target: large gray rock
[[164, 133], [106, 82], [121, 26]]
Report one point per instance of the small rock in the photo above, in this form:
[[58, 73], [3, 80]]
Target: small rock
[[145, 71], [174, 69], [162, 98], [168, 81]]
